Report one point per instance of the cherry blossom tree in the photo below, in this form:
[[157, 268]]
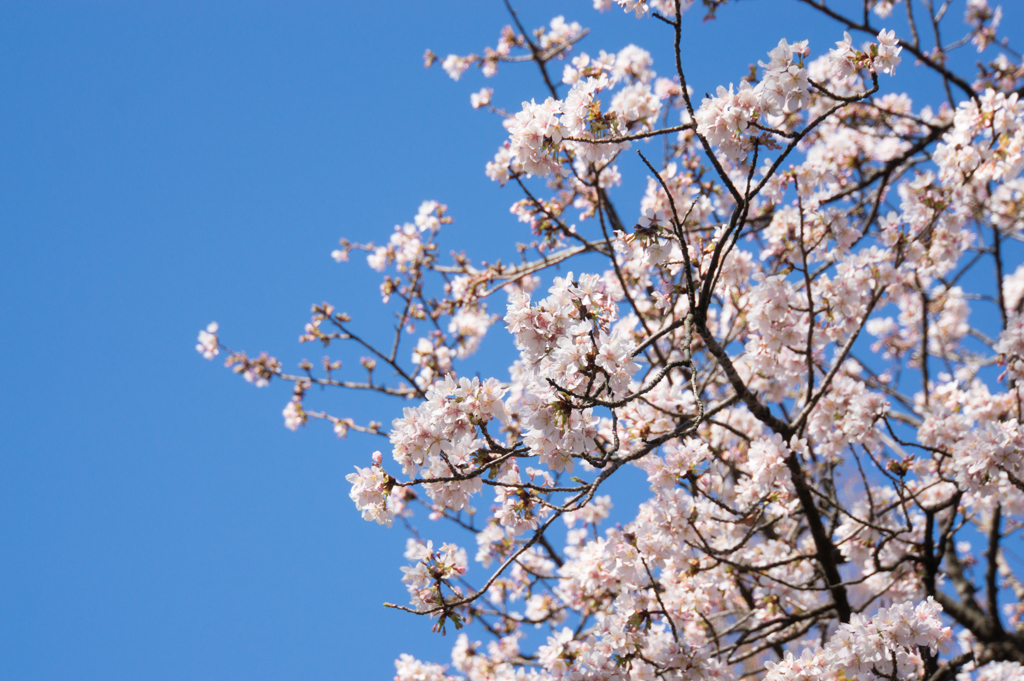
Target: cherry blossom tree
[[809, 335]]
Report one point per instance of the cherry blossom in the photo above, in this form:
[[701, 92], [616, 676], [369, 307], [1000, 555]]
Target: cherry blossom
[[803, 331], [207, 346], [481, 98]]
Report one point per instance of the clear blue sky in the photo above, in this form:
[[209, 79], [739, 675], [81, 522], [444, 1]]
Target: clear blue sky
[[163, 165]]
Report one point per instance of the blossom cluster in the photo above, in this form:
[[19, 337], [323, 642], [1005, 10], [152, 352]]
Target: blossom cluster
[[884, 646], [537, 132]]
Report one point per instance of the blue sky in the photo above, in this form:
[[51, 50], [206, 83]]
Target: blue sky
[[163, 165]]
